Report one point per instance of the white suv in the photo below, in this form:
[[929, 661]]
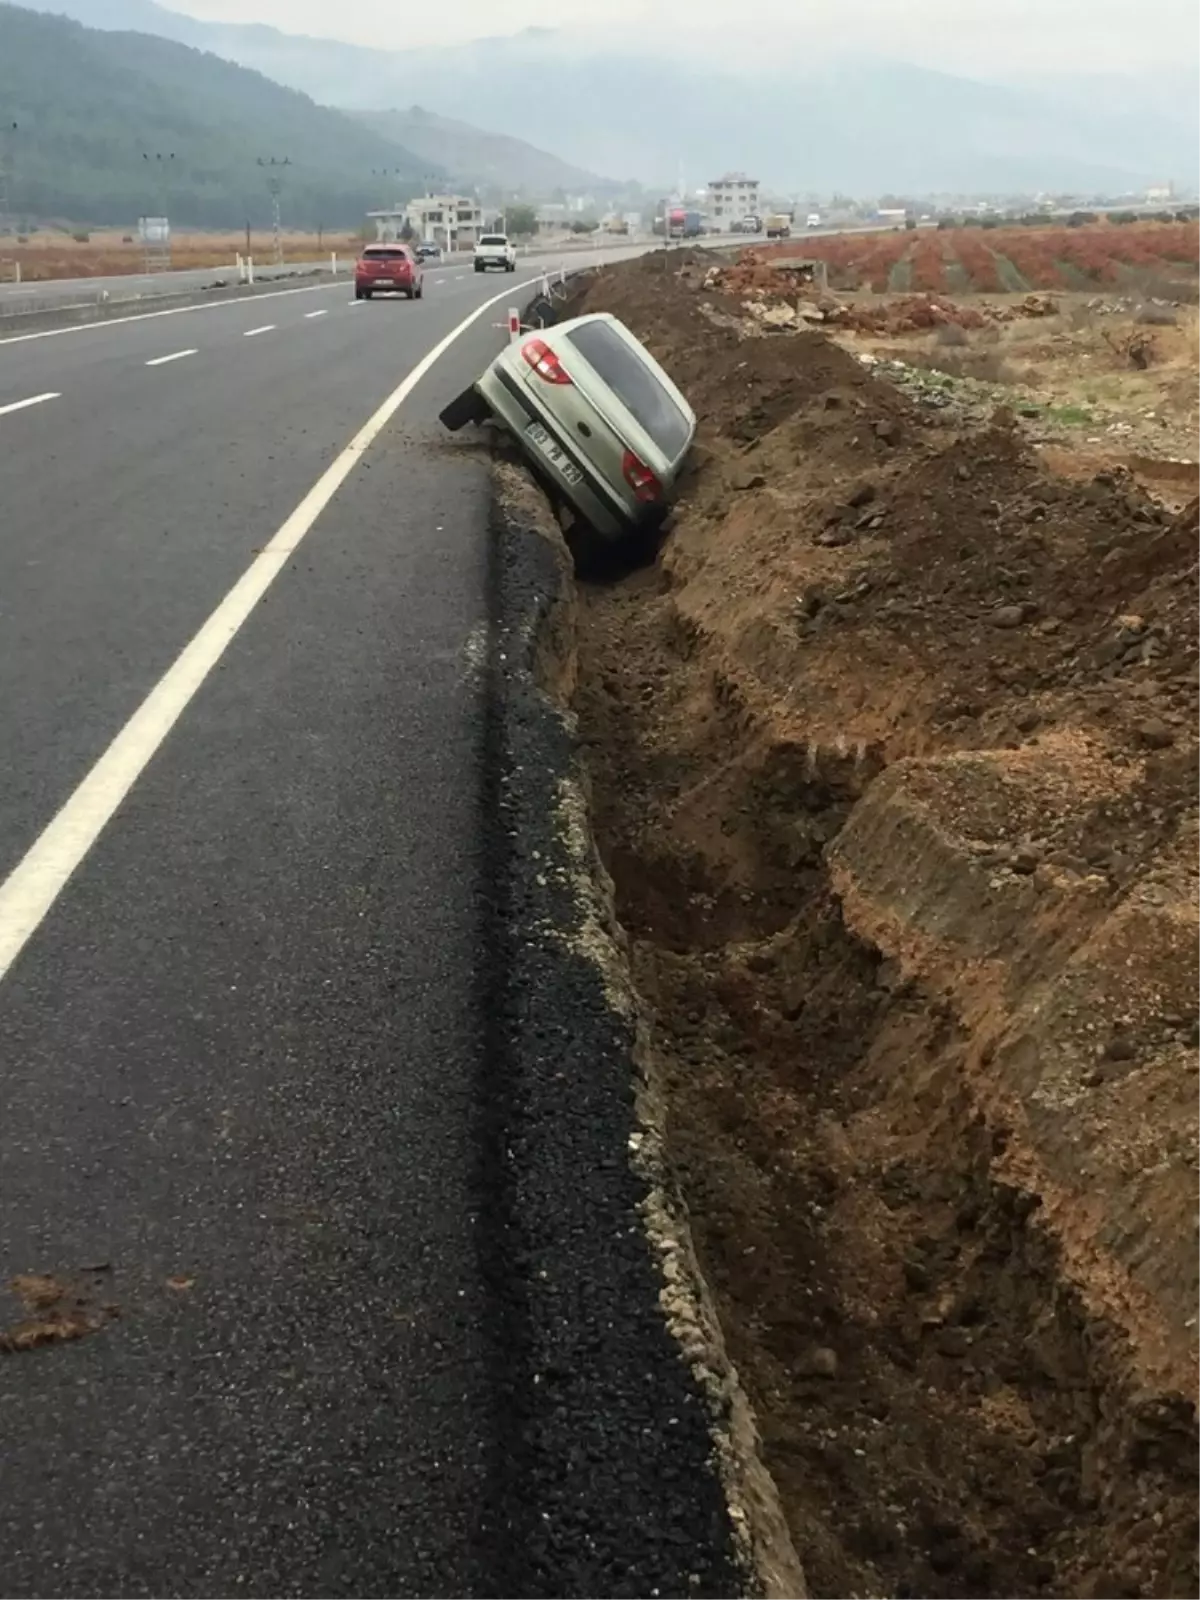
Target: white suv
[[494, 250]]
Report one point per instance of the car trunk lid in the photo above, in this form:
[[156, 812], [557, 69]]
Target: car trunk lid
[[611, 440], [385, 265]]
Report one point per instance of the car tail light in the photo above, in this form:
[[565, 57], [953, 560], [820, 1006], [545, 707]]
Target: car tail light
[[640, 479], [544, 362]]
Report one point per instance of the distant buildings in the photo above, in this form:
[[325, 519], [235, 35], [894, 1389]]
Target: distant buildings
[[553, 219], [452, 221], [732, 197]]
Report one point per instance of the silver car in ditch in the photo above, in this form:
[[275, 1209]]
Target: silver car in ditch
[[595, 414]]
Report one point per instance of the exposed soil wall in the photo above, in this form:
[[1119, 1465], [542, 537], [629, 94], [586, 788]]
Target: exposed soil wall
[[893, 754]]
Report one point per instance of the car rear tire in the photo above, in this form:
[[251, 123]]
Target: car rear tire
[[420, 291], [468, 407], [479, 266], [367, 293], [510, 266]]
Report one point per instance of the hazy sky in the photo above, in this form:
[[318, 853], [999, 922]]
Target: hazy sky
[[975, 36]]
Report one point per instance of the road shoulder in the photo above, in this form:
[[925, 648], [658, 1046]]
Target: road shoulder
[[631, 1453]]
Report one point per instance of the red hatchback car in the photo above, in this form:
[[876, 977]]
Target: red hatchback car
[[388, 269]]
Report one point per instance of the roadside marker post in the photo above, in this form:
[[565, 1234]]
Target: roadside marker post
[[250, 269], [333, 264], [514, 324]]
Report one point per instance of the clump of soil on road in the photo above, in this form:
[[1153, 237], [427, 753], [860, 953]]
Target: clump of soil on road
[[894, 767]]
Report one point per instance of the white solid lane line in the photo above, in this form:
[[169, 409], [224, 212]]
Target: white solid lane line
[[178, 355], [34, 400], [310, 314], [38, 879], [253, 333]]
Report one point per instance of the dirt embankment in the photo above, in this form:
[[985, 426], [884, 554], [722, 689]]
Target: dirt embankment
[[894, 762]]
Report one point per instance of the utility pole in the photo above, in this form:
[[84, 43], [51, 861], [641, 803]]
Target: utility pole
[[8, 164], [273, 165], [386, 174], [8, 219], [156, 230]]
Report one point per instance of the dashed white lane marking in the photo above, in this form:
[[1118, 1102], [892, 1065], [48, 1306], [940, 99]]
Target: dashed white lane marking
[[310, 314], [34, 400], [186, 311], [253, 333], [176, 355], [169, 311], [38, 879]]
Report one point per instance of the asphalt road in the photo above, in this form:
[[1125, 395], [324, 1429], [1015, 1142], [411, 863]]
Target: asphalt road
[[48, 293], [240, 1051], [16, 297]]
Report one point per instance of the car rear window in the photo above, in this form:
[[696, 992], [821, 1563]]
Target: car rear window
[[494, 238], [397, 254], [633, 383]]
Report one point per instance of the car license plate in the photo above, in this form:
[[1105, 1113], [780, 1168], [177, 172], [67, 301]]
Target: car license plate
[[538, 436], [383, 283]]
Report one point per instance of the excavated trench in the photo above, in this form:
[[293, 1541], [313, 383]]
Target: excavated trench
[[941, 1415], [890, 768]]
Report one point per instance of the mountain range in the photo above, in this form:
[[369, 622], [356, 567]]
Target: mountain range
[[111, 122], [102, 126], [496, 164], [860, 125]]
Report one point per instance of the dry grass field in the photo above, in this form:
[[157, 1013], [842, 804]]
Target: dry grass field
[[105, 253]]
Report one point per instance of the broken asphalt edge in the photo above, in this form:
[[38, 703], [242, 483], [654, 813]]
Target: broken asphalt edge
[[630, 1449]]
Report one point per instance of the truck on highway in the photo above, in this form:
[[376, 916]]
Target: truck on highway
[[778, 226], [684, 224]]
